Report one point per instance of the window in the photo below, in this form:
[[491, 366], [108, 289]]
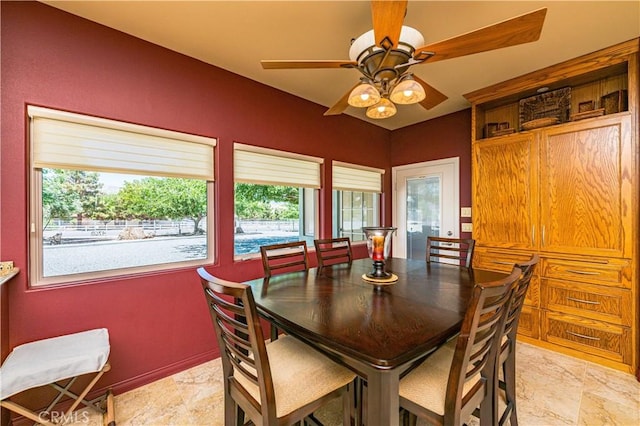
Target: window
[[111, 198], [355, 210], [276, 198], [356, 199]]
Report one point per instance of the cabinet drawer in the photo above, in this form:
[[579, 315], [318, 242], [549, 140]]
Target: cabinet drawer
[[497, 260], [611, 272], [503, 262], [529, 323], [594, 337], [603, 303]]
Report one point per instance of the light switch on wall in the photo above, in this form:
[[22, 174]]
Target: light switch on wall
[[467, 227], [465, 212]]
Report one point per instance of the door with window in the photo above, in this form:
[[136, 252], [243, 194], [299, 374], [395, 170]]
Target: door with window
[[426, 203]]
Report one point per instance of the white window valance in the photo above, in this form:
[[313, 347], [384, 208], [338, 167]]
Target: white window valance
[[73, 141], [352, 177], [270, 167]]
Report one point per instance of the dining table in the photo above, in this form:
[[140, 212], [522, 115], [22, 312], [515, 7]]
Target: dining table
[[378, 330]]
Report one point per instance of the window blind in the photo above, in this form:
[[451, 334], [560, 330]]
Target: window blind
[[73, 141], [351, 177], [270, 167]]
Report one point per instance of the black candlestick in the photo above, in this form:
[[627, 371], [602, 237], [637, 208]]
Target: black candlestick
[[378, 271]]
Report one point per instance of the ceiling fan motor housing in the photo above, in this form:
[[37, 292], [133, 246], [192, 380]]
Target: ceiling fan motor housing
[[380, 64]]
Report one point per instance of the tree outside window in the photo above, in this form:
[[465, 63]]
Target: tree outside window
[[270, 214]]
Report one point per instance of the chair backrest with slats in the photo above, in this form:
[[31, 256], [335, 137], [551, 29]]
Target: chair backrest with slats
[[284, 257], [331, 251], [473, 372], [242, 346], [457, 249], [506, 357], [517, 301]]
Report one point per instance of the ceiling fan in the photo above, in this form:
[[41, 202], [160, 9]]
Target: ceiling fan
[[384, 55]]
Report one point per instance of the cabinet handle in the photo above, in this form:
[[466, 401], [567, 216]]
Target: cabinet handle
[[589, 302], [576, 271], [502, 262], [533, 235], [583, 336], [543, 229]]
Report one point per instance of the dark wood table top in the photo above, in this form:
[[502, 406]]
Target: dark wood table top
[[383, 328], [377, 332]]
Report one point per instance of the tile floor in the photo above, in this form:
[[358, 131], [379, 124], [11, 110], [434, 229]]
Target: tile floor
[[552, 389]]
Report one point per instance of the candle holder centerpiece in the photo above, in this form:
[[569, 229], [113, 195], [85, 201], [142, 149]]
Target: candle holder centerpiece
[[378, 244]]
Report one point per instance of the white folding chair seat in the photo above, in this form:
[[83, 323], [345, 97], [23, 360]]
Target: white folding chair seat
[[50, 361]]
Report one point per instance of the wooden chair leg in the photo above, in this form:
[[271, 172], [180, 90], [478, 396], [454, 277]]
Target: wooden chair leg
[[404, 417], [408, 418], [356, 401], [348, 408], [509, 372], [110, 419], [364, 403], [231, 411], [489, 405]]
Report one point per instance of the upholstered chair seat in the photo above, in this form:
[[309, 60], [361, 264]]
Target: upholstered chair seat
[[300, 375], [427, 384]]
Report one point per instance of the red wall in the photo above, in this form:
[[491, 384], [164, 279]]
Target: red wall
[[444, 137], [158, 322]]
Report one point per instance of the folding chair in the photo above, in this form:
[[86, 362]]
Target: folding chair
[[58, 362]]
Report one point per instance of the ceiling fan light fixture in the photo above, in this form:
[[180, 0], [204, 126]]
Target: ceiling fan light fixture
[[364, 95], [383, 109], [408, 91]]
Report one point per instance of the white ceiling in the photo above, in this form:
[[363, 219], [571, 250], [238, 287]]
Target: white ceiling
[[236, 35]]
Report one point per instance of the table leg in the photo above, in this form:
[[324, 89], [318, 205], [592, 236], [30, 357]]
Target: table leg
[[382, 398]]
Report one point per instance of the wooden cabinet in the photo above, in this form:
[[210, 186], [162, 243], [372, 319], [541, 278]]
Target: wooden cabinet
[[502, 261], [568, 192], [596, 341], [596, 302], [586, 187], [504, 176], [561, 189], [529, 323]]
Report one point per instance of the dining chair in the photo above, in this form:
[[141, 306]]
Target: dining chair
[[507, 354], [279, 383], [284, 257], [459, 249], [460, 376], [331, 251]]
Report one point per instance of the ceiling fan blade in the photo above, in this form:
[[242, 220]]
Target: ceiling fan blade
[[293, 64], [387, 17], [433, 98], [519, 30], [342, 104]]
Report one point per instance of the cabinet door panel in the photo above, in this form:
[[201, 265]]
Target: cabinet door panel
[[504, 197], [585, 188]]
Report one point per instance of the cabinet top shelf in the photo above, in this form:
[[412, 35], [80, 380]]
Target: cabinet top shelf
[[581, 70], [599, 83]]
